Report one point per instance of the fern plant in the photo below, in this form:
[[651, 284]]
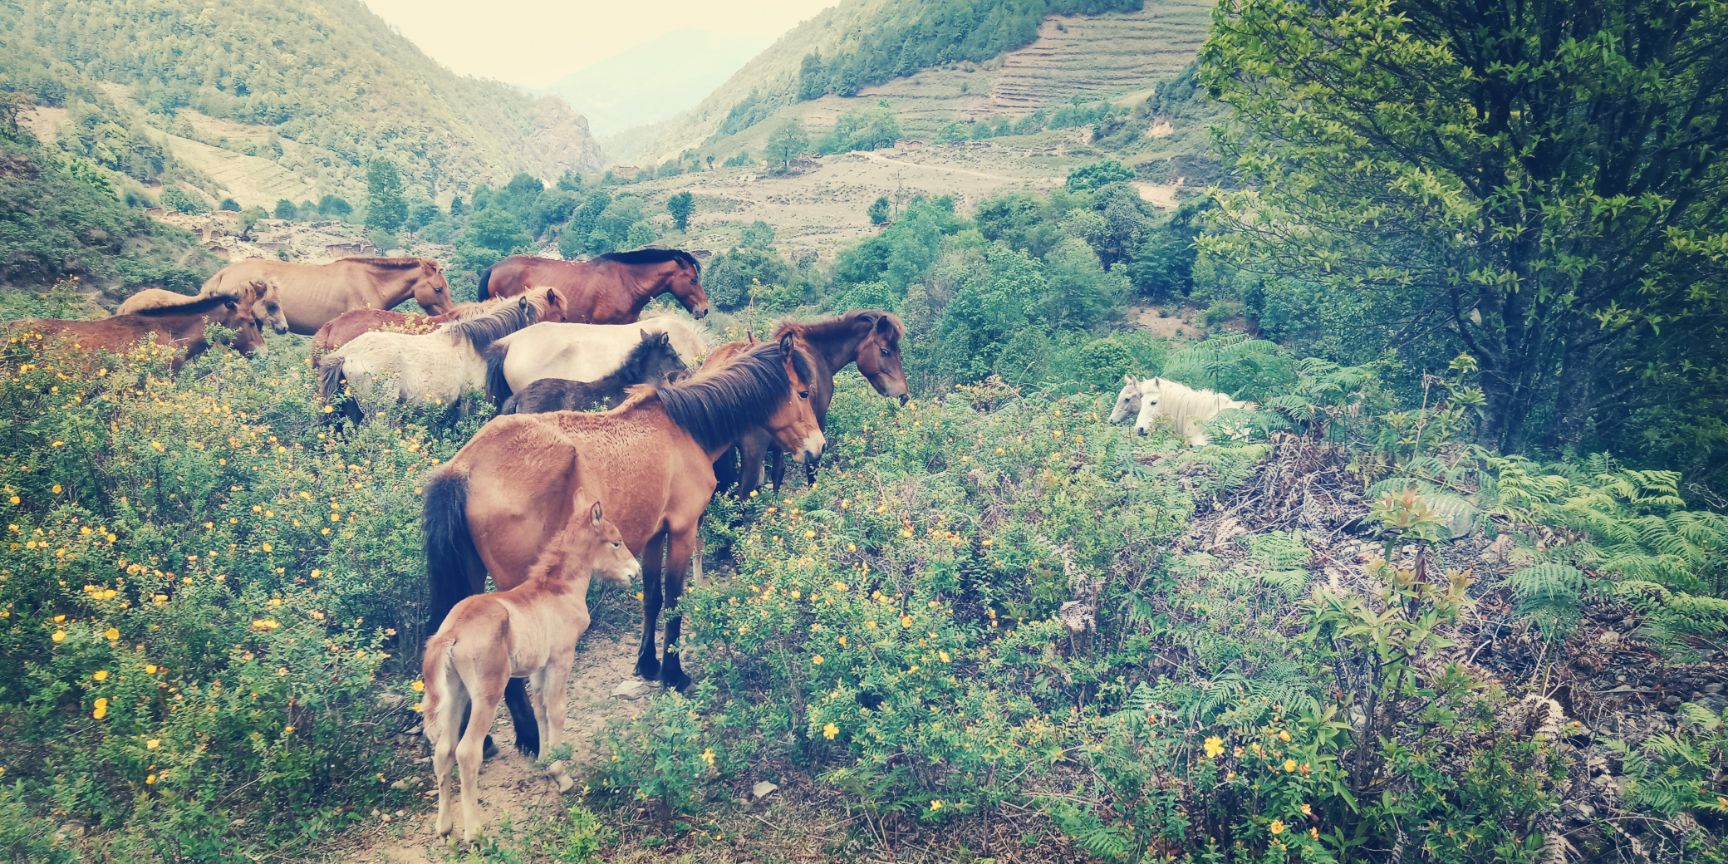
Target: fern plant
[[1550, 593]]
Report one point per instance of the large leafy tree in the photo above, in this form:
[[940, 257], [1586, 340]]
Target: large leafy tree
[[1538, 184], [386, 209]]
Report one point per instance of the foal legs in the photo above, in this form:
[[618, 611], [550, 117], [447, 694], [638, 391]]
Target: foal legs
[[680, 549], [453, 707], [653, 556]]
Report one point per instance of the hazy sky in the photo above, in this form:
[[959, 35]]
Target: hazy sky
[[534, 42]]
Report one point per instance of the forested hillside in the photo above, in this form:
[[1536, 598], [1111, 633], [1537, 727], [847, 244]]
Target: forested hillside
[[318, 87]]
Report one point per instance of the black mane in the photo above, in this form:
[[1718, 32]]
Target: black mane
[[717, 409], [482, 330], [196, 306], [393, 263], [635, 366], [654, 255]]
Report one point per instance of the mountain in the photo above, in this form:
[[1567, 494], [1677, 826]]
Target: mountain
[[263, 98], [640, 86], [937, 63]]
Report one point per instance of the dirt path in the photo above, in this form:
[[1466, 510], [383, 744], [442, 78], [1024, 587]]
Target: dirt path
[[944, 169], [514, 787]]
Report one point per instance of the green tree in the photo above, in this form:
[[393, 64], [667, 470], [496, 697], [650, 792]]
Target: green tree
[[229, 205], [879, 212], [285, 209], [386, 209], [681, 206], [1540, 187], [249, 219], [812, 77], [1098, 174], [335, 207], [788, 142]]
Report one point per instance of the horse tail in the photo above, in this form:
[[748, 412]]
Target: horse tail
[[497, 386], [452, 562], [484, 291], [331, 386], [443, 687]]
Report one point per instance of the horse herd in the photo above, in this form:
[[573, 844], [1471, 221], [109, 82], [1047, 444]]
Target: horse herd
[[548, 495]]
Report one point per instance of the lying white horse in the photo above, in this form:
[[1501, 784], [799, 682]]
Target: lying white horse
[[581, 352], [1187, 409]]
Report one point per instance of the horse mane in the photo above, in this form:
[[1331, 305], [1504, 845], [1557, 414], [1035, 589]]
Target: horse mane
[[653, 255], [719, 407], [197, 306], [482, 330], [841, 326], [386, 263]]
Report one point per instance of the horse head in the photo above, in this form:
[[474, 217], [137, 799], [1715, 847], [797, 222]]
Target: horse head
[[241, 314], [660, 363], [793, 422], [1127, 400], [685, 283], [879, 356], [612, 561], [269, 305], [430, 288], [1151, 393]]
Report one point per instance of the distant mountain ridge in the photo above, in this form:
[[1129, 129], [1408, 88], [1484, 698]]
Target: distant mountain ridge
[[319, 87], [638, 87]]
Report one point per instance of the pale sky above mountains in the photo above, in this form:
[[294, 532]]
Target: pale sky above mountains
[[534, 43]]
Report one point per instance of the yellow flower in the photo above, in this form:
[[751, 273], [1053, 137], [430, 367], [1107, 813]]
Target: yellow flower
[[13, 500], [153, 743], [935, 805], [830, 731], [58, 637], [1314, 833], [905, 621], [816, 659], [287, 730], [150, 669], [708, 756], [56, 488], [944, 656], [1214, 747], [1277, 827], [1284, 735], [1289, 765], [101, 708], [99, 675], [1307, 810], [150, 780], [112, 633], [419, 686]]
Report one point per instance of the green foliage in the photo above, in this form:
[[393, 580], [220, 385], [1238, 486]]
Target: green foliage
[[1163, 266], [385, 208], [334, 207], [787, 142], [681, 206], [229, 205], [285, 209], [880, 211], [199, 592], [1411, 186], [176, 199], [1098, 174], [1677, 774], [736, 277], [861, 129]]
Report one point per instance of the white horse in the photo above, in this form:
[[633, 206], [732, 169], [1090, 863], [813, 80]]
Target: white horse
[[1187, 409], [581, 352], [421, 369]]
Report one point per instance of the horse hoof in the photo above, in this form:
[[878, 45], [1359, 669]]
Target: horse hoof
[[489, 750], [648, 668], [675, 680], [531, 749]]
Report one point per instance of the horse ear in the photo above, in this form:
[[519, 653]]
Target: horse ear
[[552, 297], [231, 304], [596, 512], [884, 325], [786, 344], [1129, 379]]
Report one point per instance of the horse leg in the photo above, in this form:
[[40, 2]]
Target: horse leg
[[776, 465], [542, 706], [448, 716], [680, 549], [557, 676], [522, 719], [750, 455], [653, 556], [469, 753]]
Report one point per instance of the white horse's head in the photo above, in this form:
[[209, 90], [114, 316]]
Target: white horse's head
[[1151, 395], [1127, 401]]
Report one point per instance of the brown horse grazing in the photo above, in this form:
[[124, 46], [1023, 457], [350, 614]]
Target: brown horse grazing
[[608, 289], [529, 631], [312, 294], [269, 305], [652, 361], [344, 328], [651, 460], [869, 337], [182, 325]]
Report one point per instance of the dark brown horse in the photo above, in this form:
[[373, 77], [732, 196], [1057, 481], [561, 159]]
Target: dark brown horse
[[652, 361], [868, 337], [182, 325], [495, 505], [610, 289]]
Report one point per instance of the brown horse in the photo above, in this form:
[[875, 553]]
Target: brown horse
[[529, 631], [491, 508], [269, 305], [312, 294], [869, 338], [609, 289], [182, 326], [344, 328]]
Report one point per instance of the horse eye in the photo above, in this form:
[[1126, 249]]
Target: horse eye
[[887, 353], [804, 394]]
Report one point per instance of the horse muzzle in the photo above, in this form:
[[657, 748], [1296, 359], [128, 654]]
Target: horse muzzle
[[281, 329], [699, 312], [811, 452]]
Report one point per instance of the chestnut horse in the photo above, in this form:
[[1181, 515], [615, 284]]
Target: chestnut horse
[[491, 508], [182, 325], [868, 337], [269, 305], [312, 294], [608, 289], [529, 631]]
